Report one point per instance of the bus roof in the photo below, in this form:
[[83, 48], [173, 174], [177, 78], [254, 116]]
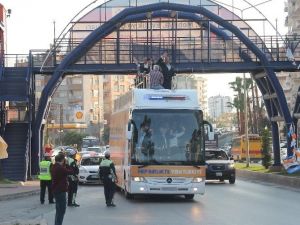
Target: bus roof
[[158, 99]]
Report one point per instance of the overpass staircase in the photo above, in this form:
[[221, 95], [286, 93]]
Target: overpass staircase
[[16, 165], [15, 129]]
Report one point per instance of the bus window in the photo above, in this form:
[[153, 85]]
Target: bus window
[[168, 138]]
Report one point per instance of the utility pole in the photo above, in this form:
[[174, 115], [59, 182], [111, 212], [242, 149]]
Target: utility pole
[[61, 122], [246, 121]]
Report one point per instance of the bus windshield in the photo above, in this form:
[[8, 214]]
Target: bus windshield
[[167, 137], [90, 142]]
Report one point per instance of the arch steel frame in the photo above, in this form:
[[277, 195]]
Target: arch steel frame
[[267, 84]]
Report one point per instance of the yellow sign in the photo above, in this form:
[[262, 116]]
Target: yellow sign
[[79, 115]]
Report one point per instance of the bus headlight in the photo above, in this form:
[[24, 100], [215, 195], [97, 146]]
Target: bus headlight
[[138, 179], [197, 180]]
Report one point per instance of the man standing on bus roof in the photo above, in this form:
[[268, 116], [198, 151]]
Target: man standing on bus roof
[[109, 177]]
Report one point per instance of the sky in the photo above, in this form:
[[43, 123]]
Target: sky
[[31, 26]]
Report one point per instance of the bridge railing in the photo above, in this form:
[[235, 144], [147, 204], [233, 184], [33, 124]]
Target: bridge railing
[[182, 50]]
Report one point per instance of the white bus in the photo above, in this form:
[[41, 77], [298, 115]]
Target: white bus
[[89, 141], [157, 142]]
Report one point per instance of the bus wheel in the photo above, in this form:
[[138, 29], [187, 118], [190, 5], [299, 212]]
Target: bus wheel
[[221, 180], [232, 180], [128, 195], [189, 197]]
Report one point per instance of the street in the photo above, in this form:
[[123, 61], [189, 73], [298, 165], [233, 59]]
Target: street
[[244, 203]]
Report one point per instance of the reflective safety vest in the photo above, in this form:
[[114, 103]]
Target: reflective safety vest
[[105, 170], [105, 163], [45, 170]]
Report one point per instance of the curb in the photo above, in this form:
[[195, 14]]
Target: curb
[[19, 195], [291, 182]]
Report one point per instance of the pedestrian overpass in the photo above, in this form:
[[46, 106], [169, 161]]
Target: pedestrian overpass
[[201, 36]]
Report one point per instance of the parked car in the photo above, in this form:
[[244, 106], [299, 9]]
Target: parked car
[[219, 166], [88, 169]]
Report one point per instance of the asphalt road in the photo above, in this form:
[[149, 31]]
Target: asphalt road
[[245, 203]]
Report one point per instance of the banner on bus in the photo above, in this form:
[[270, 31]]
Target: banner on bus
[[167, 171]]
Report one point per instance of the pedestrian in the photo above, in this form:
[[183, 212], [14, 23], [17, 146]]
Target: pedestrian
[[156, 78], [45, 179], [108, 175], [73, 179], [59, 172]]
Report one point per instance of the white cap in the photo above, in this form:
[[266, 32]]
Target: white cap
[[107, 154]]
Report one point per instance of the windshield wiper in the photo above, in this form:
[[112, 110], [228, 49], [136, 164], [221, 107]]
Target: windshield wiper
[[151, 162]]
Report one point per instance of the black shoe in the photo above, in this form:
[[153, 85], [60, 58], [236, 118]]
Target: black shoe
[[42, 203], [70, 205], [51, 202], [75, 205], [112, 205]]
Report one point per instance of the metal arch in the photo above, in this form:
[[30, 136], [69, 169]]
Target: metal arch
[[110, 26]]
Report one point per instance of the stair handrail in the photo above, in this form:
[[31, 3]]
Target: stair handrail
[[2, 64]]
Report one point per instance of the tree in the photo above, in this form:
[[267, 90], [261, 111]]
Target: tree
[[238, 102], [266, 159], [73, 137]]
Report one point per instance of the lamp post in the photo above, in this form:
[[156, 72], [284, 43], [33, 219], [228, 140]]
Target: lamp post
[[246, 121]]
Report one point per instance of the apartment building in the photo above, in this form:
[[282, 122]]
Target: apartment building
[[218, 105], [113, 87], [290, 81], [76, 105], [193, 81]]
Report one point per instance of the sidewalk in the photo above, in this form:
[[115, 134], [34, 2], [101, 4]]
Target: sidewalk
[[22, 189], [277, 179]]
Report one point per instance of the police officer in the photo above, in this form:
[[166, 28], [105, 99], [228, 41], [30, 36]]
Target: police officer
[[45, 179], [108, 176], [72, 179]]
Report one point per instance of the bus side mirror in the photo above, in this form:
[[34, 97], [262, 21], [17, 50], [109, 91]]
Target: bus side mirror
[[211, 136], [129, 131]]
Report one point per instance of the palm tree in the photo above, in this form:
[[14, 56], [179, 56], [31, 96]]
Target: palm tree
[[238, 102]]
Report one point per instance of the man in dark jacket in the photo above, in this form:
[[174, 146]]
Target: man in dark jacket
[[109, 177], [59, 174], [167, 70]]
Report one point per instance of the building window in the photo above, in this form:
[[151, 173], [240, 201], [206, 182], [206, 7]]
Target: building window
[[95, 93], [121, 78], [38, 83], [116, 87], [76, 80], [62, 94]]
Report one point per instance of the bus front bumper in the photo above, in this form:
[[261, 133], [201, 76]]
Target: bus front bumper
[[168, 189]]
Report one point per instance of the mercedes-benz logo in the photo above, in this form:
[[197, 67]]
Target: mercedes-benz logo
[[169, 180]]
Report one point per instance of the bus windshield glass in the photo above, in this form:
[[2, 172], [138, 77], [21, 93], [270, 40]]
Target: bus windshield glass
[[167, 137], [90, 142]]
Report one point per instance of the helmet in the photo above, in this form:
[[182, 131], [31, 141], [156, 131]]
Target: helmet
[[71, 152], [47, 154], [107, 154]]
